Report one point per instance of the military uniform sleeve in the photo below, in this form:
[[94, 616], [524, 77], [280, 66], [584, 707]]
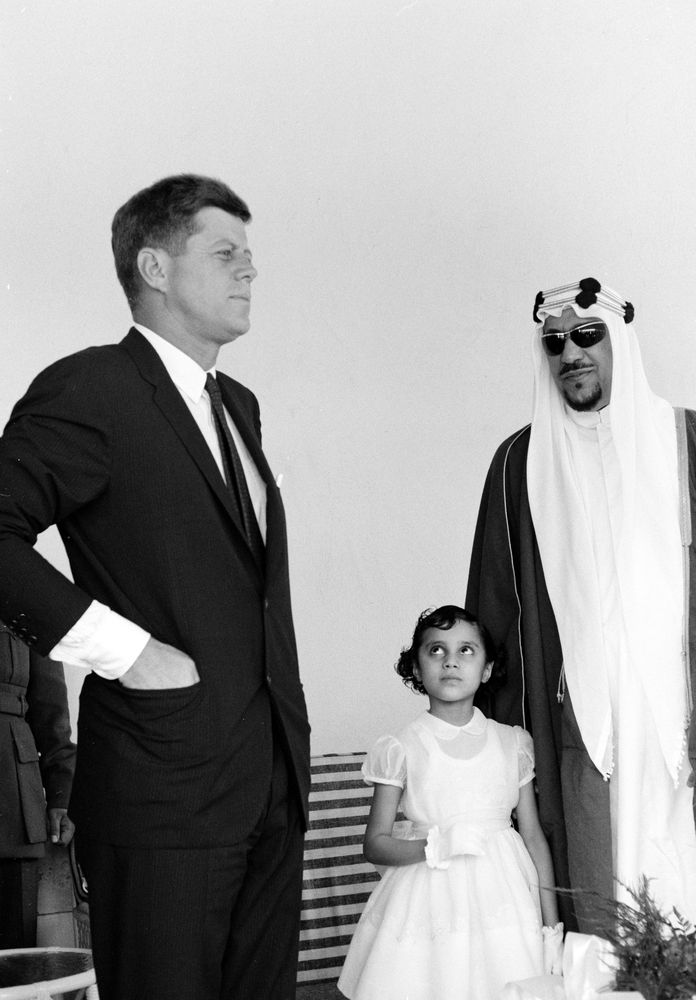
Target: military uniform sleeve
[[49, 720]]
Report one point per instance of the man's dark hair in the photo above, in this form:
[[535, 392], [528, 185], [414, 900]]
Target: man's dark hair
[[162, 216]]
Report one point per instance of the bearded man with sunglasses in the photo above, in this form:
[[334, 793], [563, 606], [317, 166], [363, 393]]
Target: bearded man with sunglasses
[[584, 568]]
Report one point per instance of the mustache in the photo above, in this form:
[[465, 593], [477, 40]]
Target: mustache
[[574, 366]]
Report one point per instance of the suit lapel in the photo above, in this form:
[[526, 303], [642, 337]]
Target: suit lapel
[[168, 398]]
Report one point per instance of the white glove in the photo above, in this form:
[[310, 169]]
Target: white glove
[[442, 845], [553, 950]]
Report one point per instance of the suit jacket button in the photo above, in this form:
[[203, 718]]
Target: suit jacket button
[[268, 679]]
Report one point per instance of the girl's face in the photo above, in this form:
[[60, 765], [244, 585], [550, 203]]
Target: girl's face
[[452, 664]]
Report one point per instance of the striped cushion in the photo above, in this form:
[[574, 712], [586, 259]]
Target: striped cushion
[[337, 879]]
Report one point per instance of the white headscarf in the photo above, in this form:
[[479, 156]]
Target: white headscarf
[[648, 559]]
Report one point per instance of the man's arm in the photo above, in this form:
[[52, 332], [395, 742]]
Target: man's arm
[[493, 588], [54, 460], [49, 720], [115, 648]]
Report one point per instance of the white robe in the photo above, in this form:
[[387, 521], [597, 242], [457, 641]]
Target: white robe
[[652, 821]]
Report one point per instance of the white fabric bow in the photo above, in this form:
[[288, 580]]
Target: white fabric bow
[[460, 838]]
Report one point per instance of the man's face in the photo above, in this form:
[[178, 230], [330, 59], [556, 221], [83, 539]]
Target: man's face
[[582, 374], [208, 285]]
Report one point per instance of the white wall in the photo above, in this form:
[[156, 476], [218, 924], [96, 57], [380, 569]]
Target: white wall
[[417, 171]]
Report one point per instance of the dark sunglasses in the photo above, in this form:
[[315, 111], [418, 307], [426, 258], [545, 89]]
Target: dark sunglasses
[[583, 336]]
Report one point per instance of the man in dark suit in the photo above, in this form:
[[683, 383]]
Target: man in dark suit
[[193, 758]]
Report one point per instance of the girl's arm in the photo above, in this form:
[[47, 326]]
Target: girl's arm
[[379, 847], [535, 842]]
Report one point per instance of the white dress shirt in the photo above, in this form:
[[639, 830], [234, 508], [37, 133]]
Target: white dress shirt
[[102, 640]]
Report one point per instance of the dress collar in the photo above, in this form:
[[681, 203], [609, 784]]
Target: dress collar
[[476, 726]]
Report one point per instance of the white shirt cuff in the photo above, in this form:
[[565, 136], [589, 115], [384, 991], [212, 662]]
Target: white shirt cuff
[[102, 641]]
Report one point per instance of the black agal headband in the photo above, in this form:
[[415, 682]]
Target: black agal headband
[[585, 293]]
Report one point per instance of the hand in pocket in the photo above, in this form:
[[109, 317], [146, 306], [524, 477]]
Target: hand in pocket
[[159, 667]]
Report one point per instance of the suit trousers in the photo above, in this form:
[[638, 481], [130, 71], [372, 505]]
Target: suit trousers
[[218, 923], [588, 827]]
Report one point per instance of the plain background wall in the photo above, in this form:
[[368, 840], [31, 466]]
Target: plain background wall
[[417, 170]]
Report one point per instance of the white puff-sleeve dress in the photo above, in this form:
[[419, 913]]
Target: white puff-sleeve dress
[[463, 932]]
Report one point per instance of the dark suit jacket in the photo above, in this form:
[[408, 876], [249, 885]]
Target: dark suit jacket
[[37, 756], [104, 446]]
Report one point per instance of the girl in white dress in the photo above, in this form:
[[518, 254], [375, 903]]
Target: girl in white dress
[[458, 912]]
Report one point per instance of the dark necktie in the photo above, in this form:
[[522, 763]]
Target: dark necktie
[[234, 472]]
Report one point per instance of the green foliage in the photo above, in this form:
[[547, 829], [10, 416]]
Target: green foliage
[[656, 951]]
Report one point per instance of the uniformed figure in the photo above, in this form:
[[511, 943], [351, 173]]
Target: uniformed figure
[[37, 760]]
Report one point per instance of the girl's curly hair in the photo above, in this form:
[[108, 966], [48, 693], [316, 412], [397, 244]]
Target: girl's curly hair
[[444, 618]]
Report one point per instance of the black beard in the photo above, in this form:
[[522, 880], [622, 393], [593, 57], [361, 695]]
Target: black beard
[[588, 403]]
